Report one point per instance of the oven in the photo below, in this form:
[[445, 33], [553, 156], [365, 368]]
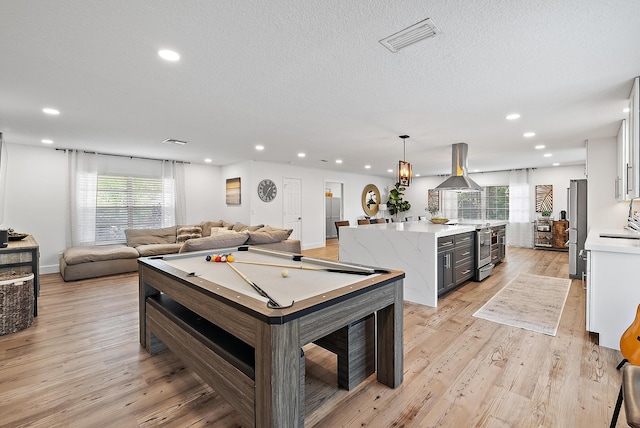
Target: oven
[[483, 267]]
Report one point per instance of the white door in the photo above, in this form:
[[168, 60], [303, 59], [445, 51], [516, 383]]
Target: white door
[[292, 197]]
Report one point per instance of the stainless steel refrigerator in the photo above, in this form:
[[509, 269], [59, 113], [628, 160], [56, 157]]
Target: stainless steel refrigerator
[[577, 227], [332, 214]]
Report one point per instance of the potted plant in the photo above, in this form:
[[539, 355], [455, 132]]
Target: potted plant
[[396, 203]]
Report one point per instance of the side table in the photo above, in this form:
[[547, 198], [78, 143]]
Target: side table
[[23, 256]]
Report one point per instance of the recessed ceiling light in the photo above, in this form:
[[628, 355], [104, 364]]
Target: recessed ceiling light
[[476, 170], [338, 160], [367, 166], [540, 147], [417, 175], [51, 111], [626, 110], [301, 155], [168, 55], [207, 160], [46, 141], [547, 155], [389, 170], [555, 164], [529, 134], [513, 116], [259, 147]]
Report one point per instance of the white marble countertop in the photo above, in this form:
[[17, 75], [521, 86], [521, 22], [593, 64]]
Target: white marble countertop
[[419, 226], [613, 245], [490, 223]]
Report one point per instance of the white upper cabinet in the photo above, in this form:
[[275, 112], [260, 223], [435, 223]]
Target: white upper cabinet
[[633, 134], [622, 182]]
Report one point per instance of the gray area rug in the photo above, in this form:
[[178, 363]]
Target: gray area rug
[[531, 302]]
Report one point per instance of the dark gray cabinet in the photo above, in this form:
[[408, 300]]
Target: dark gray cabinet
[[446, 247], [456, 255], [498, 243]]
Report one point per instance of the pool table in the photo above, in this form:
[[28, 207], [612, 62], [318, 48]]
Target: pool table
[[307, 300]]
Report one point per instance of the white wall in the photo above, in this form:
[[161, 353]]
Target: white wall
[[558, 177], [603, 210], [313, 194], [36, 194], [37, 198]]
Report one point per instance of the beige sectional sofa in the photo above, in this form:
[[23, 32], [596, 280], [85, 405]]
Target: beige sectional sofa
[[84, 262]]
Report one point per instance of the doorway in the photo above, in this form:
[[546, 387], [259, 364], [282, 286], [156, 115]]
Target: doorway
[[333, 210], [292, 212]]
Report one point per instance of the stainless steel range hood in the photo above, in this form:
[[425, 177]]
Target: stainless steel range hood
[[459, 179]]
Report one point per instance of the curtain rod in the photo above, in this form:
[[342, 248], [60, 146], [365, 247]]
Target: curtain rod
[[122, 156]]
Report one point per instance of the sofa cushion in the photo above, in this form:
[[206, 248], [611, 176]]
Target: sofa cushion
[[158, 249], [220, 240], [185, 233], [239, 227], [137, 237], [98, 253], [268, 235]]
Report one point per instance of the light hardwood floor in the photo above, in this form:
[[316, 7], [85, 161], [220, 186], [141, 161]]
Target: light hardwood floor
[[81, 365]]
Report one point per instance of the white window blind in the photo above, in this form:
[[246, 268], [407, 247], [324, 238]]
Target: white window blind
[[127, 203]]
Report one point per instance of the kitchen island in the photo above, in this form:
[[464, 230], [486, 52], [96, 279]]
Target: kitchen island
[[409, 246], [613, 293]]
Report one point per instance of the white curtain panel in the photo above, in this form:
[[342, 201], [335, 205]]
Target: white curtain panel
[[174, 209], [82, 185], [83, 172], [520, 227]]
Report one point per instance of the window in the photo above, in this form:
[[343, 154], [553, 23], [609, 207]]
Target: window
[[470, 205], [497, 202], [492, 204], [126, 203]]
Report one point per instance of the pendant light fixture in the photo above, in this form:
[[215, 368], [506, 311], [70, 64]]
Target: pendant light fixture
[[404, 167]]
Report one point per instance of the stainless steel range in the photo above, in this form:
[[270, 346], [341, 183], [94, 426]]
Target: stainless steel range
[[484, 267]]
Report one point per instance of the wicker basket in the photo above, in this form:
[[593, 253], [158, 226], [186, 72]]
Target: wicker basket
[[16, 301]]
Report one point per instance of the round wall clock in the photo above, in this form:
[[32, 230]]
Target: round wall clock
[[267, 190]]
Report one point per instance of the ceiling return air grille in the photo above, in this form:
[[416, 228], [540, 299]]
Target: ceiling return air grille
[[420, 31]]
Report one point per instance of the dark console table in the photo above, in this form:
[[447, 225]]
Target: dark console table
[[23, 256]]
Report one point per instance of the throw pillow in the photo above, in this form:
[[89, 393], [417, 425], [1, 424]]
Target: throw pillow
[[225, 240], [207, 225], [188, 232], [268, 235]]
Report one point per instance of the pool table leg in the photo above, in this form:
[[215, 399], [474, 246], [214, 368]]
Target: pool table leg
[[279, 396], [390, 341]]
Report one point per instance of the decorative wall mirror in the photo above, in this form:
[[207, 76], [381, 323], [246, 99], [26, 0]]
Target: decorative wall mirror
[[370, 199]]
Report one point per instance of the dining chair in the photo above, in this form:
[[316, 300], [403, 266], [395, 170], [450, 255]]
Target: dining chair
[[378, 220], [341, 223], [363, 221], [422, 217], [410, 218]]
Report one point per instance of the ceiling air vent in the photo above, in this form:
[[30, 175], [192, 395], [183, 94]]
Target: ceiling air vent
[[174, 141], [420, 31]]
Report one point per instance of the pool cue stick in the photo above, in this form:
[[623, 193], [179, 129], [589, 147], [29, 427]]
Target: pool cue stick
[[302, 267], [271, 303], [300, 257]]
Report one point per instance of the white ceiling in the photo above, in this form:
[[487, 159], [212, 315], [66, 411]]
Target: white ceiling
[[311, 76]]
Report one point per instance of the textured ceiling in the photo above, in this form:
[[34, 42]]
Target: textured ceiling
[[311, 76]]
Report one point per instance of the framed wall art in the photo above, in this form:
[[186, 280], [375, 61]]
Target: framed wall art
[[544, 198], [233, 191]]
